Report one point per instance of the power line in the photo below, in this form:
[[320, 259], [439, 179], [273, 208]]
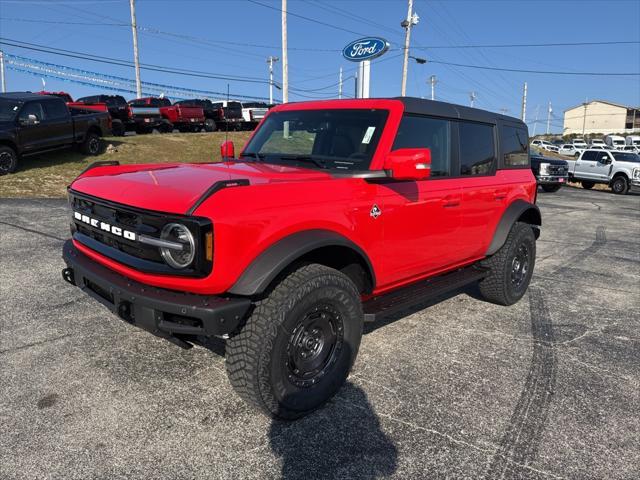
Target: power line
[[544, 72]]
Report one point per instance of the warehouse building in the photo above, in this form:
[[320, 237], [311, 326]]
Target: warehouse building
[[599, 116]]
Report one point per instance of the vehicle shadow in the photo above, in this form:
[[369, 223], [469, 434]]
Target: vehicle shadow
[[62, 158], [342, 440]]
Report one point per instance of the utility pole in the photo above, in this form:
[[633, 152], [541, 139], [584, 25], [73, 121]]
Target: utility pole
[[2, 80], [524, 103], [134, 30], [285, 57], [535, 122], [410, 21], [584, 118], [340, 83], [433, 80], [472, 97], [549, 110], [270, 61]]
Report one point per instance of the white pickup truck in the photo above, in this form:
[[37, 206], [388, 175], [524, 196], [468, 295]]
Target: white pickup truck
[[619, 170]]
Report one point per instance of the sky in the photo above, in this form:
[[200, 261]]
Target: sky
[[233, 38]]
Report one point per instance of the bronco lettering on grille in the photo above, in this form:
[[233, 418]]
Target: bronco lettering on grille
[[119, 232]]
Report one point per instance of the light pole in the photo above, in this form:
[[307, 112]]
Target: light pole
[[134, 29], [472, 98], [270, 61], [285, 56], [411, 20], [433, 81], [4, 85]]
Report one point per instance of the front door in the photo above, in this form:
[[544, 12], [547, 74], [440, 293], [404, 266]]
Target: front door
[[33, 131], [421, 219], [603, 166]]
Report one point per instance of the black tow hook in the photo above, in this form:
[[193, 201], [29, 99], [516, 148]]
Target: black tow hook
[[67, 275]]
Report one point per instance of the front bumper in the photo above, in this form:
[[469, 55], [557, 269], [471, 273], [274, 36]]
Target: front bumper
[[164, 313], [551, 180]]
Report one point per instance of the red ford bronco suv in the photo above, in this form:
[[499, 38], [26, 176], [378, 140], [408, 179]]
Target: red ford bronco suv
[[334, 213]]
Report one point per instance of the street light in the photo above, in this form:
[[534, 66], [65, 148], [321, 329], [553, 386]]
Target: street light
[[270, 62]]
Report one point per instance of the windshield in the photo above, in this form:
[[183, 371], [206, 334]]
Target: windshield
[[334, 139], [626, 157], [8, 109], [618, 142]]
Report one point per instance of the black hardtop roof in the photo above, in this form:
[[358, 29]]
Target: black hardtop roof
[[24, 96], [422, 106]]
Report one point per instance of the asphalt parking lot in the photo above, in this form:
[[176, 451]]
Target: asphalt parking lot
[[548, 388]]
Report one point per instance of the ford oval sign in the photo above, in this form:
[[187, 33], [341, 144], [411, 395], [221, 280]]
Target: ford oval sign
[[365, 49]]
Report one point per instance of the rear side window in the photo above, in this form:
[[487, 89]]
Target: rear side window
[[477, 148], [515, 149], [55, 110], [432, 133], [589, 155]]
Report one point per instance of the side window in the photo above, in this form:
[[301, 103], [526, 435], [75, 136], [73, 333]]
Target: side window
[[515, 148], [425, 132], [55, 110], [477, 149], [589, 155], [32, 108]]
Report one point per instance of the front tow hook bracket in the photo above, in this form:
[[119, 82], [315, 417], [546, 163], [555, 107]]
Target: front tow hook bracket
[[68, 276]]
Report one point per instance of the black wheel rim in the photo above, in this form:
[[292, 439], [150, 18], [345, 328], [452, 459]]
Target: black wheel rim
[[6, 161], [314, 345], [618, 185], [520, 266], [93, 145]]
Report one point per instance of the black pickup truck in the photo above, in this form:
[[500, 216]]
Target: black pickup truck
[[32, 124], [551, 173]]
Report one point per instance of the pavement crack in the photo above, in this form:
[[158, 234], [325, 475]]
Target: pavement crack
[[37, 232], [35, 344]]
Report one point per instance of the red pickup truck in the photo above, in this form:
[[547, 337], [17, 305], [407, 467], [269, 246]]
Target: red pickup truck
[[185, 119], [334, 213]]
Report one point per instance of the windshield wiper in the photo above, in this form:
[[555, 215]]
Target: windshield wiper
[[305, 158]]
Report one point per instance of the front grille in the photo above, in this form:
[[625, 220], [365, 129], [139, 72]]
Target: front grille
[[128, 251], [559, 170]]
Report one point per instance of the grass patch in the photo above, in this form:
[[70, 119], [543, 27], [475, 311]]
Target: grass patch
[[48, 175]]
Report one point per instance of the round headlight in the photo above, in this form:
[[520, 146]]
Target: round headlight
[[179, 234]]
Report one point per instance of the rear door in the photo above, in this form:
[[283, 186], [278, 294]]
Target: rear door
[[586, 165], [484, 196], [421, 219]]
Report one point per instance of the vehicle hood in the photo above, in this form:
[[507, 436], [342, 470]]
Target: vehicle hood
[[174, 188], [552, 161]]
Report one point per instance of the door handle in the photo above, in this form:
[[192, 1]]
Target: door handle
[[450, 201]]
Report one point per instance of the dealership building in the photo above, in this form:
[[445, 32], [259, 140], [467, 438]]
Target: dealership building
[[600, 116]]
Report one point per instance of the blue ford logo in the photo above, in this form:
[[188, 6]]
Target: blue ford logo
[[365, 49]]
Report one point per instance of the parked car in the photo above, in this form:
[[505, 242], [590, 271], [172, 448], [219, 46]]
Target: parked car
[[212, 113], [630, 149], [116, 105], [550, 173], [570, 150], [633, 140], [147, 119], [229, 115], [596, 142], [32, 123], [579, 143], [288, 249], [619, 170], [182, 117], [544, 145], [615, 141], [253, 112]]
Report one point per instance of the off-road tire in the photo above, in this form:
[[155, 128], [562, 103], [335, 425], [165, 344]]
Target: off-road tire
[[258, 357], [8, 160], [92, 144], [587, 185], [620, 185], [210, 125], [550, 188], [498, 286]]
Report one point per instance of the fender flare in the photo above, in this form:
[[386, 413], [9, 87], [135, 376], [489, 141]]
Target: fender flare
[[271, 262], [511, 215]]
